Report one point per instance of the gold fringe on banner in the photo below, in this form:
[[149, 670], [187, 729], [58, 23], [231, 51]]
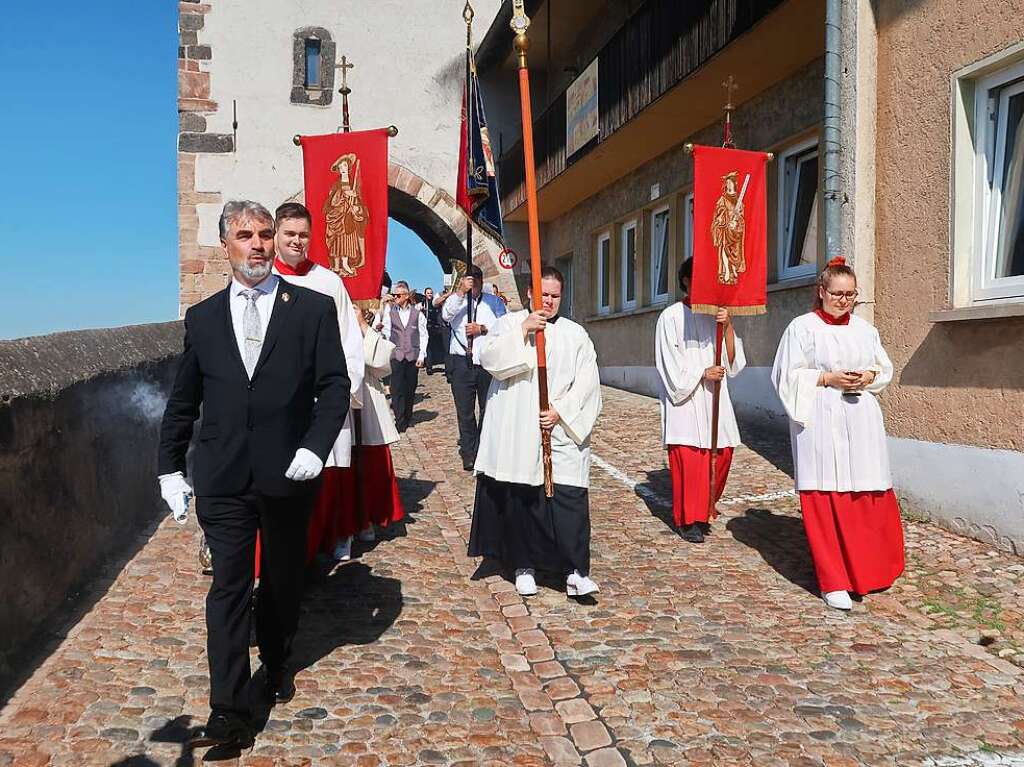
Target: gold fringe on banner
[[735, 311]]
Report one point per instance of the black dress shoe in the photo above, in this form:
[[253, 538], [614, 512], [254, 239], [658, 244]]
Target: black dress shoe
[[229, 730], [467, 463], [279, 687], [692, 533]]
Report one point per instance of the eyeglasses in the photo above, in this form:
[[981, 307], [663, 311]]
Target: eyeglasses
[[837, 294]]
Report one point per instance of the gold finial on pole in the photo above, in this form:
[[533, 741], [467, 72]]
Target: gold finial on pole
[[467, 16], [730, 87], [520, 23]]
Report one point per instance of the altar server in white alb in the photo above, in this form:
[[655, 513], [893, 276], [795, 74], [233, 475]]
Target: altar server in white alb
[[684, 353], [513, 522], [291, 238], [829, 367]]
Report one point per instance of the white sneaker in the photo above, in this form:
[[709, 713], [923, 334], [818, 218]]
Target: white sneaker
[[577, 585], [368, 535], [840, 600], [343, 550], [525, 583]]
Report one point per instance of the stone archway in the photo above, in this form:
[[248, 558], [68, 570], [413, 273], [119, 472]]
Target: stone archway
[[432, 214]]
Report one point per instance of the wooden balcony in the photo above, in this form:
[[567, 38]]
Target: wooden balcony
[[666, 48]]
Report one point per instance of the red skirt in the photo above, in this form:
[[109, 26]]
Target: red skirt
[[691, 477], [335, 514], [856, 539], [380, 502]]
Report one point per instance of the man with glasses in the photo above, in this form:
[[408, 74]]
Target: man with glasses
[[406, 327]]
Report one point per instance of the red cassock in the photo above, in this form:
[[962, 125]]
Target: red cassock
[[691, 469], [335, 515], [856, 539], [380, 501]]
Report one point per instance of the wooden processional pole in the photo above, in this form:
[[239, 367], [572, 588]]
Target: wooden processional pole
[[520, 23], [467, 16], [716, 387]]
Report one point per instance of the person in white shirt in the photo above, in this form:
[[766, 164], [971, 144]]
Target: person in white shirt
[[684, 354], [291, 240], [469, 380], [513, 522], [829, 367], [405, 326]]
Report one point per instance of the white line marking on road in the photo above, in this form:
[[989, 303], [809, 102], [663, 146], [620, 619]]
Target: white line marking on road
[[649, 495]]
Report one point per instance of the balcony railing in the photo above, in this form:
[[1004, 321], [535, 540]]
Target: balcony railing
[[660, 45]]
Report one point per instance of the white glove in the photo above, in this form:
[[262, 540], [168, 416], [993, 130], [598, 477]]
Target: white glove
[[306, 465], [176, 493]]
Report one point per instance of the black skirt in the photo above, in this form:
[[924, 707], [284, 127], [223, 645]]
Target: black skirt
[[516, 525]]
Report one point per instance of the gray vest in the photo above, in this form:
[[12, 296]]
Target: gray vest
[[406, 338]]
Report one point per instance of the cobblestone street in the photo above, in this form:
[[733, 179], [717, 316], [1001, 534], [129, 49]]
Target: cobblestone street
[[716, 654]]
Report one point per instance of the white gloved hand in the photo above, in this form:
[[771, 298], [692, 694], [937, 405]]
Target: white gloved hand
[[306, 465], [176, 493]]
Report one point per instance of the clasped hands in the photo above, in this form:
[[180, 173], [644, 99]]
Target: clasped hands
[[847, 380], [177, 493]]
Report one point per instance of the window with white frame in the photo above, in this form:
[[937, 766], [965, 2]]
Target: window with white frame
[[564, 265], [798, 211], [997, 269], [659, 254], [604, 272], [627, 252], [688, 226]]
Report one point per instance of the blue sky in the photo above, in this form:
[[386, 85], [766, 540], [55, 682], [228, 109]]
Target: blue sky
[[88, 208]]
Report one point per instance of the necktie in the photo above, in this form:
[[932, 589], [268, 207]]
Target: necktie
[[252, 330]]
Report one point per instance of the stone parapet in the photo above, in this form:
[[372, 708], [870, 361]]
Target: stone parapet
[[79, 421]]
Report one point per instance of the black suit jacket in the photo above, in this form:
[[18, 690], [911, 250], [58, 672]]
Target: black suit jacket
[[298, 395]]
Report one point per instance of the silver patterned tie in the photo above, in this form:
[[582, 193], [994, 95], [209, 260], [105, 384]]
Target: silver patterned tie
[[252, 330]]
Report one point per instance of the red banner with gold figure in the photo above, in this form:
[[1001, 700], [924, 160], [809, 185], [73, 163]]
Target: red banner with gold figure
[[730, 231], [346, 181]]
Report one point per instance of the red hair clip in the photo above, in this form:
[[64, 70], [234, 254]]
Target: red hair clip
[[837, 261]]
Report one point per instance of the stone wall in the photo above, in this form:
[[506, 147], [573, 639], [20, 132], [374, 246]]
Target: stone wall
[[79, 419]]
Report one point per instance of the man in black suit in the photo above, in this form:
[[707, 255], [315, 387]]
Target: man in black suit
[[264, 359]]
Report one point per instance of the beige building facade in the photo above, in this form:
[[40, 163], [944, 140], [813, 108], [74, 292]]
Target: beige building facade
[[931, 173]]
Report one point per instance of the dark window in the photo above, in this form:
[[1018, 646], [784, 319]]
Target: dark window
[[312, 63], [801, 196]]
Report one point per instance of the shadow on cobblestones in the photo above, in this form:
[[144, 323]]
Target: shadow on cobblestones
[[656, 493], [351, 606], [771, 442], [781, 542]]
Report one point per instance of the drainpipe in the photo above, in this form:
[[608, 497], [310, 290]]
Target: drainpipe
[[831, 179]]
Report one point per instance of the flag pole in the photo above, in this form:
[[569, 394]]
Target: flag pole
[[520, 23], [716, 387], [467, 16]]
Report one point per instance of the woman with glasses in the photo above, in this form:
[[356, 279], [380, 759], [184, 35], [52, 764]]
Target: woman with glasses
[[828, 369]]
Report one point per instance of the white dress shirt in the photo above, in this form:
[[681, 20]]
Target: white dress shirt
[[403, 315], [264, 305], [487, 309]]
